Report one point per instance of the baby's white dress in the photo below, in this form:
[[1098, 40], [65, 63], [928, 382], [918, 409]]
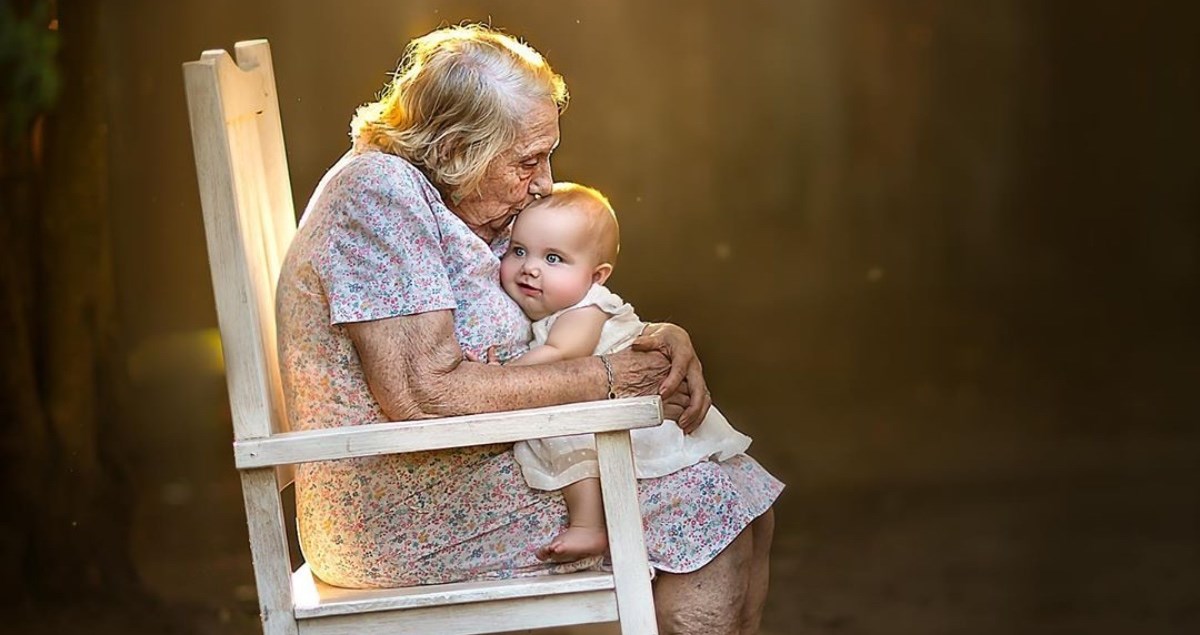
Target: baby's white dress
[[550, 464]]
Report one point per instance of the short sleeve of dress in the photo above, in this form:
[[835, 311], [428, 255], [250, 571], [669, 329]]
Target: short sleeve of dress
[[384, 256], [599, 296]]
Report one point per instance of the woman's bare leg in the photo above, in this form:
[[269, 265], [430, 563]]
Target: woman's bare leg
[[762, 531], [710, 600], [586, 534]]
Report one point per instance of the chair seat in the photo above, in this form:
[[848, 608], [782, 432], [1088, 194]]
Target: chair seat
[[314, 599]]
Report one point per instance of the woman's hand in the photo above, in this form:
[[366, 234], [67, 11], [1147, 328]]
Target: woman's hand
[[684, 384], [640, 374]]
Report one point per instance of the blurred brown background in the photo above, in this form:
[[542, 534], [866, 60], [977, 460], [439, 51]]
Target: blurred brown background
[[941, 259]]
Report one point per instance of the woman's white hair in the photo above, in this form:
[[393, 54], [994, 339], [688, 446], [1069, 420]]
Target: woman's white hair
[[456, 102]]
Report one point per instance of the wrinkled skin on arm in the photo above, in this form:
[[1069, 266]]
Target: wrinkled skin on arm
[[415, 369]]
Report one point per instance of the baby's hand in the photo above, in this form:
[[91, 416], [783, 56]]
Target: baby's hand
[[490, 357]]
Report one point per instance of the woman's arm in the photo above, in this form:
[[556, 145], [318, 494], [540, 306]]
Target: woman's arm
[[415, 370], [574, 334]]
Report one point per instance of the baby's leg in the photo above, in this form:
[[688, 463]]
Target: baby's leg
[[586, 534]]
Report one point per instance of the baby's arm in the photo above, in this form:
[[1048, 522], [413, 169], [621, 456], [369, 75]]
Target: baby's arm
[[574, 334]]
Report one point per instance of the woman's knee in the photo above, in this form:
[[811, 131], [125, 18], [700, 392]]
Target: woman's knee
[[707, 601], [763, 531]]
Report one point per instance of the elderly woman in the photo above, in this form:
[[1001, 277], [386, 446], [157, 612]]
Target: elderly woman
[[392, 278]]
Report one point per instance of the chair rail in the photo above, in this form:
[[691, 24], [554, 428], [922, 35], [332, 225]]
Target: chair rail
[[450, 432]]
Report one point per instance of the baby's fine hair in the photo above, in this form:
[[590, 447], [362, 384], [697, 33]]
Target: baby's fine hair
[[603, 218]]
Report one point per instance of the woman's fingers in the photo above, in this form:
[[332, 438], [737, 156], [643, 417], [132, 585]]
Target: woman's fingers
[[675, 378], [700, 402], [673, 406], [693, 405]]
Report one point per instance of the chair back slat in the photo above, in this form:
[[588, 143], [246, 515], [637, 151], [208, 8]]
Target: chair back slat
[[249, 220], [282, 210]]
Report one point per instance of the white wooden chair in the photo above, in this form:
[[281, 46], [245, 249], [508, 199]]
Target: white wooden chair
[[249, 221]]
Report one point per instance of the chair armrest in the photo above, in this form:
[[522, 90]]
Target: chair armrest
[[451, 432]]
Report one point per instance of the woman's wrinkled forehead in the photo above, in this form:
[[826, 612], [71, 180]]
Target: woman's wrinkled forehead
[[537, 135]]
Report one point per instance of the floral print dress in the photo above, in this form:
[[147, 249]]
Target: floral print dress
[[376, 242]]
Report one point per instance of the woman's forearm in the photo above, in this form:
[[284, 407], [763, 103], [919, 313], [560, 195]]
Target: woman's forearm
[[472, 387], [415, 370]]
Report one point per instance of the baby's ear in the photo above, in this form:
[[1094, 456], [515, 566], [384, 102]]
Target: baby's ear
[[601, 274]]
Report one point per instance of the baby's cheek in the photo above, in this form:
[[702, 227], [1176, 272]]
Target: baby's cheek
[[506, 271]]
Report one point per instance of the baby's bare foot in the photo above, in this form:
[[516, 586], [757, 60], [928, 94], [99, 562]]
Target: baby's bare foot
[[575, 543]]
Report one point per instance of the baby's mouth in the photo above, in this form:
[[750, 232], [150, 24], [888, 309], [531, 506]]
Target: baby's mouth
[[528, 289]]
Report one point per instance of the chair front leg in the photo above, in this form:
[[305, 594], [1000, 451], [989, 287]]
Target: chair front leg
[[631, 571]]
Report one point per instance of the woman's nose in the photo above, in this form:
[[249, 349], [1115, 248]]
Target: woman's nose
[[542, 182]]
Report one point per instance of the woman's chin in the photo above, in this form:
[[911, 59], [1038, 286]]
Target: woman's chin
[[502, 224]]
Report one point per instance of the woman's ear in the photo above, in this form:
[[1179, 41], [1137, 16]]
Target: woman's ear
[[601, 274]]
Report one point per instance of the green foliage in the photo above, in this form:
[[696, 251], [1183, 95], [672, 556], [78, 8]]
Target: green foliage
[[29, 78]]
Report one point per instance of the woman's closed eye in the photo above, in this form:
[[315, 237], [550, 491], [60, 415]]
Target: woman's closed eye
[[528, 168]]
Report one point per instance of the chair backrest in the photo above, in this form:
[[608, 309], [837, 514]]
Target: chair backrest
[[249, 219]]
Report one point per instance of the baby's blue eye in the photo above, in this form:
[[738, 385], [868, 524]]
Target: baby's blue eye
[[553, 259], [518, 251]]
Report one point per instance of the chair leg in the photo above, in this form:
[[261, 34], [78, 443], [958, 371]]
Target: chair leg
[[631, 571], [272, 564]]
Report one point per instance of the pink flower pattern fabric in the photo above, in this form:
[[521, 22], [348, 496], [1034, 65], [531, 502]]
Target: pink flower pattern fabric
[[377, 241]]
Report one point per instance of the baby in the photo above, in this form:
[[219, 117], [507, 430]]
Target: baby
[[562, 252]]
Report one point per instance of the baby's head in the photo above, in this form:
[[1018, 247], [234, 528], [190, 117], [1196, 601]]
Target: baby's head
[[561, 245]]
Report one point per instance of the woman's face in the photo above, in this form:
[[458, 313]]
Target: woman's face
[[514, 177]]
